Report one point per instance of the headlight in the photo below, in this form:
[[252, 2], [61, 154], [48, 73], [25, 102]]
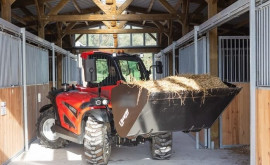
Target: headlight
[[98, 102], [105, 102]]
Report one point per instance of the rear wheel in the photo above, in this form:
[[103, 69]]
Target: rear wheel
[[45, 134], [161, 146], [97, 144]]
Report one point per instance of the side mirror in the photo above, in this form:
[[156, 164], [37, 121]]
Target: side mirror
[[159, 67], [90, 68]]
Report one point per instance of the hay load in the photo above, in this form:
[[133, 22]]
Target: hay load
[[185, 82], [175, 103]]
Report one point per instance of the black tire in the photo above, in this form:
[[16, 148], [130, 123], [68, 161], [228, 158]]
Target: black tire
[[161, 146], [97, 145], [42, 131]]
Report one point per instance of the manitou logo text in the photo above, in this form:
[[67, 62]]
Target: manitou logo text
[[122, 121]]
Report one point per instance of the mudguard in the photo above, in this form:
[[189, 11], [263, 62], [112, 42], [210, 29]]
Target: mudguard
[[45, 107], [100, 114]]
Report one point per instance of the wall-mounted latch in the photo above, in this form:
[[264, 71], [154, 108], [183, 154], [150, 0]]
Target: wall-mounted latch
[[3, 108], [39, 97]]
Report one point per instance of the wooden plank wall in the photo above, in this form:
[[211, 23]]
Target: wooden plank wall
[[263, 127], [236, 119], [34, 106], [11, 125]]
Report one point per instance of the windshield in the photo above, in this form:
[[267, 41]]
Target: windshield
[[130, 70]]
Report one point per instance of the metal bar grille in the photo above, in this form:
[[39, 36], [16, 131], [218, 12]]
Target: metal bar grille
[[263, 41], [234, 58]]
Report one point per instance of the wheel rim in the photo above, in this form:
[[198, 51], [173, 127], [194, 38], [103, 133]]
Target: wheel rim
[[47, 131]]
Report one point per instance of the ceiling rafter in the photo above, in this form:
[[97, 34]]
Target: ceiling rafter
[[124, 6], [149, 8], [68, 28], [49, 6], [178, 4], [158, 24], [100, 17], [103, 7], [18, 18], [167, 6], [106, 9], [77, 7], [58, 7], [121, 24], [114, 31]]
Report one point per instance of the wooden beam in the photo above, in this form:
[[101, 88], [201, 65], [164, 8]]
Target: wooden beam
[[143, 10], [97, 17], [6, 9], [159, 25], [213, 53], [178, 4], [41, 23], [123, 6], [48, 5], [68, 28], [213, 39], [75, 4], [108, 24], [113, 31], [18, 18], [149, 8], [28, 13], [126, 50], [80, 36], [39, 9], [167, 6], [115, 40], [109, 2], [152, 36], [185, 20], [113, 11], [103, 7], [121, 24], [58, 7]]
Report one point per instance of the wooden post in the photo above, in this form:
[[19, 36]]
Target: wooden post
[[115, 40], [41, 31], [170, 41], [213, 53], [185, 20], [59, 56], [6, 9], [113, 11], [213, 39]]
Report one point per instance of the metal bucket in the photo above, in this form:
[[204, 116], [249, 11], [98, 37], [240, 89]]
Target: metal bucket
[[138, 113]]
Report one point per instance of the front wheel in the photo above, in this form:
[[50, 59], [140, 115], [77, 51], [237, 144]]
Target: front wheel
[[97, 144], [47, 137], [161, 146]]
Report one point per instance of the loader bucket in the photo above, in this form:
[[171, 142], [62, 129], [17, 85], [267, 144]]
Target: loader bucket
[[138, 113]]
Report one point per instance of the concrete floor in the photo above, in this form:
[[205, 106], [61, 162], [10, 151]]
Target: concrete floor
[[184, 153]]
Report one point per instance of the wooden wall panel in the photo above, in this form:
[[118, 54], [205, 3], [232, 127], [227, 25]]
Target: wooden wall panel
[[236, 119], [11, 125], [31, 111], [33, 106], [263, 127]]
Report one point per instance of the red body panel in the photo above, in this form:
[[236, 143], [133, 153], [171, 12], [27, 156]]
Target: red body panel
[[76, 98]]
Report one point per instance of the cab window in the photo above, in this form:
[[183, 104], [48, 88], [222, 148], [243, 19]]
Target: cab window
[[130, 70]]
